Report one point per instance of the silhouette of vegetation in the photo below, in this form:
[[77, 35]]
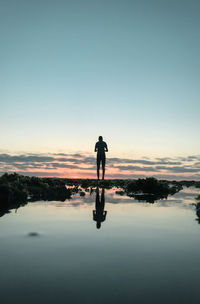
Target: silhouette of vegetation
[[198, 197], [126, 184], [198, 209], [16, 190], [13, 193], [92, 183], [150, 189], [120, 192], [198, 212], [82, 193], [188, 184]]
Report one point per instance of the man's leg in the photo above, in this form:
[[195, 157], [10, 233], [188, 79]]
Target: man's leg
[[98, 166], [103, 168], [103, 173]]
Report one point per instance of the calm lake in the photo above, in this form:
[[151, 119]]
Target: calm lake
[[101, 248]]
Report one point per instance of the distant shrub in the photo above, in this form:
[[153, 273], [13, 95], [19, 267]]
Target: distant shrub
[[149, 185]]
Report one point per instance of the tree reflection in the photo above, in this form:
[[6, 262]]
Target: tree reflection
[[198, 212]]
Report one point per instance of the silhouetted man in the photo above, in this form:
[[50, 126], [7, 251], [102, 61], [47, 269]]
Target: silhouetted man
[[101, 148], [99, 215]]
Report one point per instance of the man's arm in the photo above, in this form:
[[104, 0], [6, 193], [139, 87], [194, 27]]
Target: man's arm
[[95, 149], [106, 147]]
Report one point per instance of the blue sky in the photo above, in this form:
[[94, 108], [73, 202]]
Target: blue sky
[[74, 70]]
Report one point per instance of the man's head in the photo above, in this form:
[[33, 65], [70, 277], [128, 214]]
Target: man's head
[[98, 225], [100, 138]]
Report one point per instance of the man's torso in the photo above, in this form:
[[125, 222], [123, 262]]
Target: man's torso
[[101, 145]]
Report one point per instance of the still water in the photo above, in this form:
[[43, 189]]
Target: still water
[[52, 252]]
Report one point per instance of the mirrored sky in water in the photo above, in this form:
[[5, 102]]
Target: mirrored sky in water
[[142, 253]]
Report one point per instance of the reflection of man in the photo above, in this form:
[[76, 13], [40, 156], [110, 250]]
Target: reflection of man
[[101, 148], [99, 215]]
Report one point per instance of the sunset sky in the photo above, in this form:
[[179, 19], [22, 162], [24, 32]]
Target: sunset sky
[[73, 70]]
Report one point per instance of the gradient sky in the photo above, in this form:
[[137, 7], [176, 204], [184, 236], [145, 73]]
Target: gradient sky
[[73, 70]]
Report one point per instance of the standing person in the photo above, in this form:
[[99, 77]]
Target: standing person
[[101, 148]]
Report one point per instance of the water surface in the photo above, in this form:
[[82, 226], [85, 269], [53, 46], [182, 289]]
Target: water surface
[[52, 252]]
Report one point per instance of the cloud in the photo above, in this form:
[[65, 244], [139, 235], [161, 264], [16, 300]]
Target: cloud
[[142, 161], [190, 158], [135, 168], [63, 164], [180, 169], [38, 158], [25, 158]]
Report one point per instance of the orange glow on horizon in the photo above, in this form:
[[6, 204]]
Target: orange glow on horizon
[[111, 173]]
